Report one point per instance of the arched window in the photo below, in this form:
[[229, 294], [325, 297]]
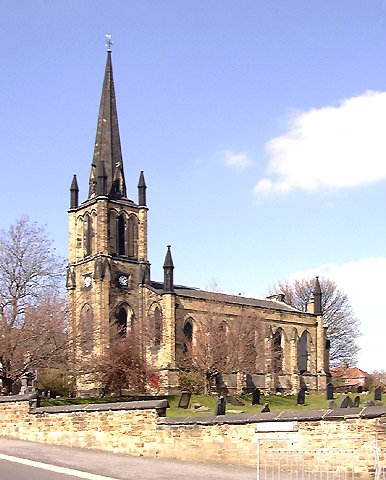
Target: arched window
[[86, 329], [133, 236], [303, 352], [121, 250], [88, 236], [277, 352], [157, 327], [188, 335], [122, 322]]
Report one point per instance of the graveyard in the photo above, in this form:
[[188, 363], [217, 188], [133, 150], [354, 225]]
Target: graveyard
[[205, 405], [342, 439]]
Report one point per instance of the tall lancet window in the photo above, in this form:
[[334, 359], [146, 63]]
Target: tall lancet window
[[157, 327], [87, 235], [303, 352], [121, 243], [122, 322], [188, 335], [133, 236], [277, 352], [86, 329]]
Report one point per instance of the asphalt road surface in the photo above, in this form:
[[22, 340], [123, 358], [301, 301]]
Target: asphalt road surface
[[52, 462]]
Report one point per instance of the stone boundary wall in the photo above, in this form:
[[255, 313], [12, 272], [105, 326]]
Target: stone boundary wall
[[140, 428]]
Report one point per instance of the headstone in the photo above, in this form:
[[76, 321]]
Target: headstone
[[378, 394], [256, 396], [233, 400], [357, 401], [221, 406], [218, 380], [359, 389], [265, 408], [346, 402], [332, 405], [249, 383], [184, 400], [330, 391], [300, 400]]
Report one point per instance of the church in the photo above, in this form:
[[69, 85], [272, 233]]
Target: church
[[109, 283]]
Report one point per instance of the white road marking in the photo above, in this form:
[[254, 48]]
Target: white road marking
[[55, 468]]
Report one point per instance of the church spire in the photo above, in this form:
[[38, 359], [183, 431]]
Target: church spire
[[168, 271], [317, 297], [142, 190], [107, 150]]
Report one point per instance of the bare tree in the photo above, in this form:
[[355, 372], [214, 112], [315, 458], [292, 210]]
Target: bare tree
[[32, 309], [124, 366], [343, 327], [219, 345]]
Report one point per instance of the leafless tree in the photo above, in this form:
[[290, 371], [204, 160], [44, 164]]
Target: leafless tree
[[123, 367], [32, 307], [220, 346], [343, 327]]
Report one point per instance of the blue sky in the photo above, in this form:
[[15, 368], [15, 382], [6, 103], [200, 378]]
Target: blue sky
[[260, 125]]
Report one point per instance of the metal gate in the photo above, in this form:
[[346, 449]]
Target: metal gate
[[277, 461]]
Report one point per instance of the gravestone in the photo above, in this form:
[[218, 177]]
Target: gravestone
[[221, 406], [330, 391], [378, 394], [301, 397], [357, 401], [184, 399], [332, 405], [256, 396], [233, 400], [359, 389], [249, 383], [346, 402], [265, 409]]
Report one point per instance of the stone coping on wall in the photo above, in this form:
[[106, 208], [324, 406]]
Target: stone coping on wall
[[16, 398], [283, 416], [159, 405]]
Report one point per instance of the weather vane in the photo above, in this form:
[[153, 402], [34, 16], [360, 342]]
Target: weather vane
[[109, 43]]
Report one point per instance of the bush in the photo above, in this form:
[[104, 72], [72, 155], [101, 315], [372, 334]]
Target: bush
[[191, 381], [53, 380]]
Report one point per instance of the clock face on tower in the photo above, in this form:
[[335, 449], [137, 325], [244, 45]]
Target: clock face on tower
[[123, 281], [87, 281]]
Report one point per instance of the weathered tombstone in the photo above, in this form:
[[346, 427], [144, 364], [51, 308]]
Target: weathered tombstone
[[301, 397], [184, 399], [221, 406], [346, 402], [218, 380], [330, 391], [249, 383], [332, 405], [265, 408], [357, 401], [359, 389], [256, 396], [378, 394]]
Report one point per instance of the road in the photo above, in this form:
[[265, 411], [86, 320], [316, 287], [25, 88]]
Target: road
[[94, 465]]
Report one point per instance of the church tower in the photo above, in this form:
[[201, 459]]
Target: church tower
[[108, 261]]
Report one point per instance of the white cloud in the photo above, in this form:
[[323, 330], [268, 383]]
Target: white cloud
[[330, 147], [236, 160], [364, 283]]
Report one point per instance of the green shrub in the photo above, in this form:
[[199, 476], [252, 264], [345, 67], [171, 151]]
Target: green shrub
[[191, 381]]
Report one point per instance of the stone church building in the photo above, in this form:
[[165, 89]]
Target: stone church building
[[109, 283]]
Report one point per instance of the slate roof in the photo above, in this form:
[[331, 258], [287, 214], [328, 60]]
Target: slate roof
[[191, 292]]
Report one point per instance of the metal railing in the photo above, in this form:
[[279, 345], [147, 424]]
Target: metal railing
[[277, 461]]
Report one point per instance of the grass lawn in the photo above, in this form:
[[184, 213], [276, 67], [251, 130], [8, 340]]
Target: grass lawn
[[275, 402]]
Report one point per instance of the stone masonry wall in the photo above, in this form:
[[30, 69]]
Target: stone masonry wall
[[140, 428]]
